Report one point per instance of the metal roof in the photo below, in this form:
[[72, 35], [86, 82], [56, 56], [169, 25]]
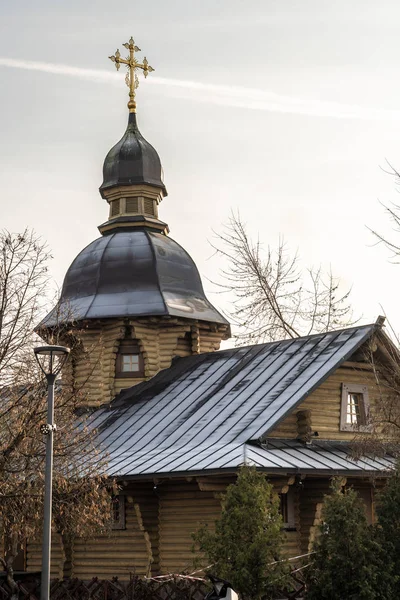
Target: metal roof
[[202, 412], [289, 456], [313, 458], [130, 274], [132, 161]]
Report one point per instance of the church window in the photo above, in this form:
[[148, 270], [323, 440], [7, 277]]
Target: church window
[[115, 208], [129, 360], [132, 205], [354, 408]]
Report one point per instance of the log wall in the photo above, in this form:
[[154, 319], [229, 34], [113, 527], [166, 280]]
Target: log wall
[[311, 497], [161, 518], [312, 494], [183, 509], [123, 552], [34, 557]]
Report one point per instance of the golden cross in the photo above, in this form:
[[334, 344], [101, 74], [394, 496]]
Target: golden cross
[[132, 64]]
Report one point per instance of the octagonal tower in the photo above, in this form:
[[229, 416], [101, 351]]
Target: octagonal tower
[[133, 298]]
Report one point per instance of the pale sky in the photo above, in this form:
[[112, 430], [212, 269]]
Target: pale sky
[[286, 111]]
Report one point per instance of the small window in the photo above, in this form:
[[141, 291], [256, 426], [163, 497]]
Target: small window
[[118, 512], [148, 205], [132, 205], [115, 208], [355, 408], [287, 509], [129, 360]]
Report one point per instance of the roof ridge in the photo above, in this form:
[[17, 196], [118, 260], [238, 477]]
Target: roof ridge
[[301, 337]]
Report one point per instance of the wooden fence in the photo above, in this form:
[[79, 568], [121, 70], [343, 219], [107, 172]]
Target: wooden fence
[[171, 588], [136, 589]]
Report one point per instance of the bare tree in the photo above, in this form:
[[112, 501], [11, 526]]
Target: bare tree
[[393, 213], [383, 432], [23, 287], [384, 421], [273, 299], [82, 501]]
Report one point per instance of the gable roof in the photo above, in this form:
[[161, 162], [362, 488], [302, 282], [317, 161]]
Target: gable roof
[[213, 404]]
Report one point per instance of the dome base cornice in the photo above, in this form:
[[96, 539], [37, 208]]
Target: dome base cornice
[[133, 222]]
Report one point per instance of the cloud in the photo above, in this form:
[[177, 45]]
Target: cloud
[[223, 95], [44, 67]]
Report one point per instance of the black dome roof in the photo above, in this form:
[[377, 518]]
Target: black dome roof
[[132, 161], [129, 274]]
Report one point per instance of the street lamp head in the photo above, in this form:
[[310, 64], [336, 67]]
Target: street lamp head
[[51, 359]]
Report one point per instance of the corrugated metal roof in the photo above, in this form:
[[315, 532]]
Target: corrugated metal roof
[[200, 414]]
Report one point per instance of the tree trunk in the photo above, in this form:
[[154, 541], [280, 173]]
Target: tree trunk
[[11, 551], [68, 548]]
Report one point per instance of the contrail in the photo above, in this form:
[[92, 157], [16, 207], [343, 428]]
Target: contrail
[[224, 95]]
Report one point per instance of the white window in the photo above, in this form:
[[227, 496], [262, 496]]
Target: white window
[[354, 414], [130, 362]]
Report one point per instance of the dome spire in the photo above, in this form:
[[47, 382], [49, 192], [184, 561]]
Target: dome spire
[[132, 173], [131, 79]]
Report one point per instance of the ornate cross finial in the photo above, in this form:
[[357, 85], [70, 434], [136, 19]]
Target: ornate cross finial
[[132, 64]]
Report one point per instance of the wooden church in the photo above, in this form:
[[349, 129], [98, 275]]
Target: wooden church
[[176, 415]]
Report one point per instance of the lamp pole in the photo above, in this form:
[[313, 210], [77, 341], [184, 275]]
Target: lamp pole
[[51, 359]]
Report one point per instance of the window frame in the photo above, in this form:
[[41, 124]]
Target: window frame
[[130, 366], [119, 523], [130, 347], [146, 204], [355, 388], [288, 500], [115, 208], [135, 200]]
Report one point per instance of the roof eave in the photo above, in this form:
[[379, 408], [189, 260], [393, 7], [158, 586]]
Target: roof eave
[[268, 470]]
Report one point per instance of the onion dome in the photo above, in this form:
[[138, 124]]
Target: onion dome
[[132, 274], [134, 269], [132, 161]]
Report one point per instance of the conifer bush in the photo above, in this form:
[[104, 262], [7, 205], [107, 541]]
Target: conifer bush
[[388, 529], [348, 561], [246, 547]]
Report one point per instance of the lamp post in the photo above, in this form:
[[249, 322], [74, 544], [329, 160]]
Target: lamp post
[[51, 360]]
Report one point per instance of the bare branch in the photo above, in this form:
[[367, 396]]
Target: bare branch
[[273, 299], [82, 502]]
